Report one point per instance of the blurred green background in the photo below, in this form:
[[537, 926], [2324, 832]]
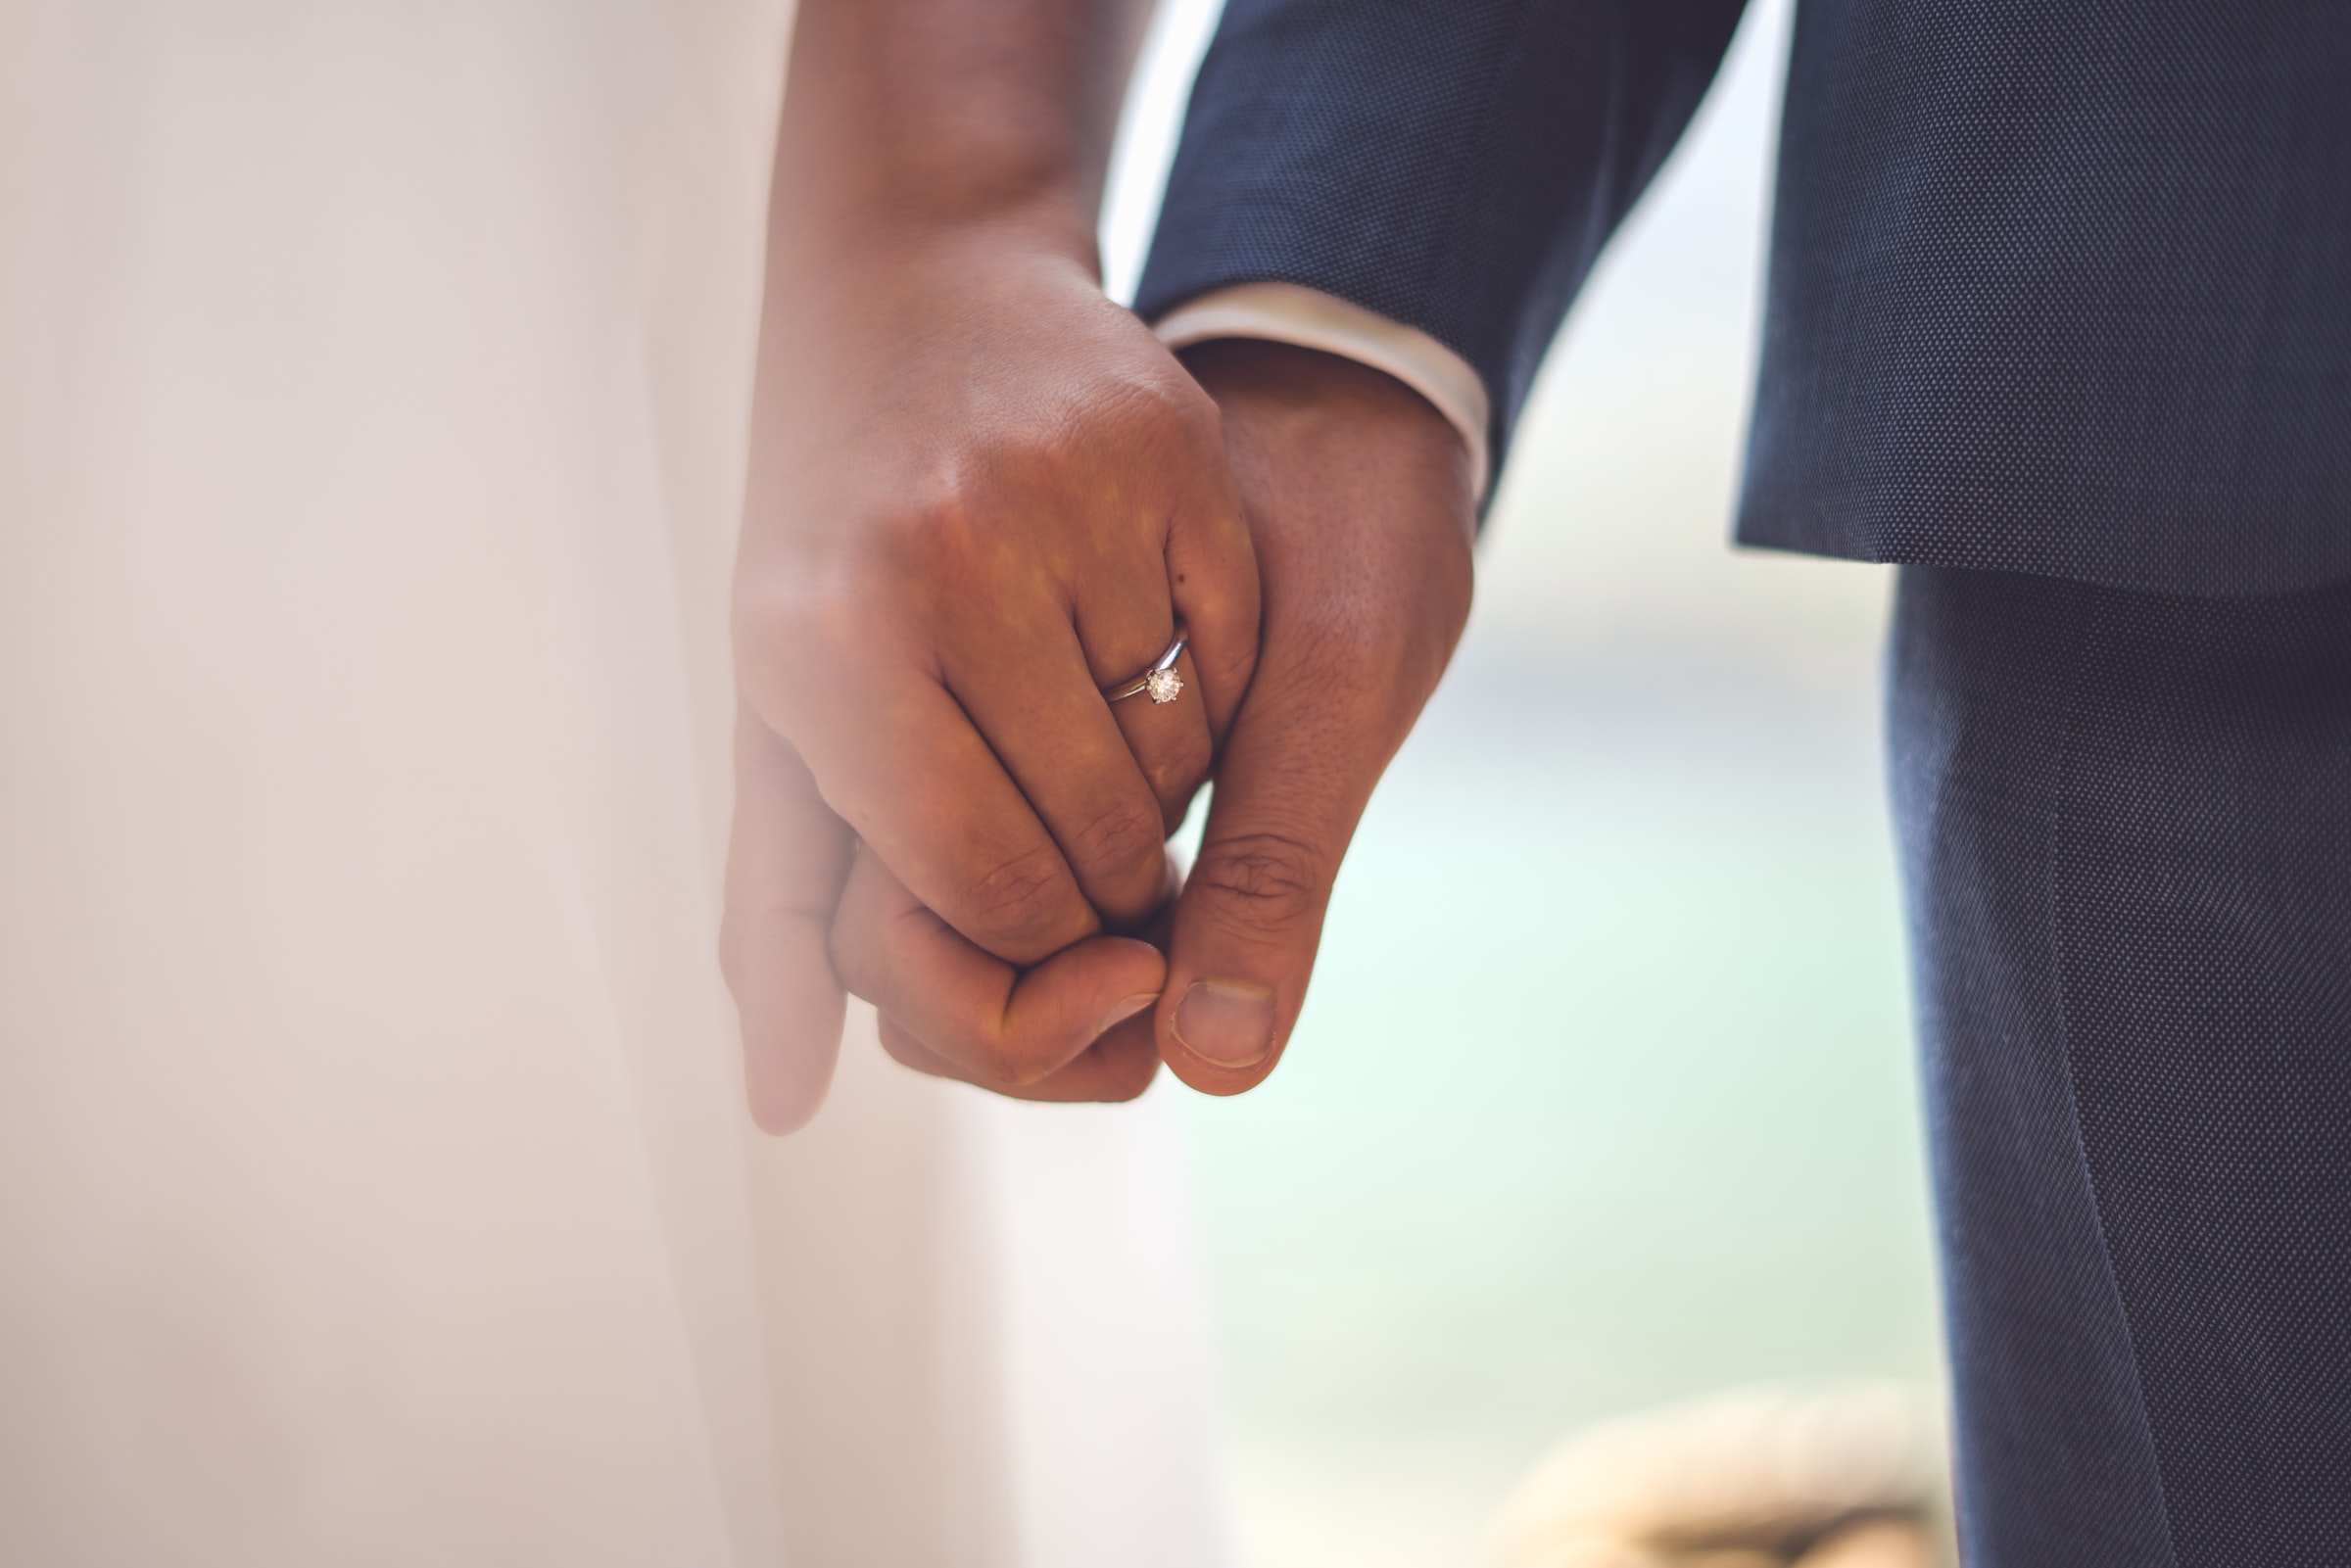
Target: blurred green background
[[1603, 1094]]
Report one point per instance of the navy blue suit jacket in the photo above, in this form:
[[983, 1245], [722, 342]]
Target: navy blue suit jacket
[[2057, 286]]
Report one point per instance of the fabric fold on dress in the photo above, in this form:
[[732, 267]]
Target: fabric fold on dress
[[374, 1181]]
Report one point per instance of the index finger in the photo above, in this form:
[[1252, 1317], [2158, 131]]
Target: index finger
[[900, 761]]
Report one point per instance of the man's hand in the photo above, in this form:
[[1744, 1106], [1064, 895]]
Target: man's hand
[[1358, 494]]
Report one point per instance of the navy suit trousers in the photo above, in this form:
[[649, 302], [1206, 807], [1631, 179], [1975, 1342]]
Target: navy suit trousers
[[2126, 830]]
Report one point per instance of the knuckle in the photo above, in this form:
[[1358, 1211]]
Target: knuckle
[[1143, 395], [972, 536], [946, 513], [1115, 839], [1164, 413], [1017, 896], [1264, 881], [942, 537]]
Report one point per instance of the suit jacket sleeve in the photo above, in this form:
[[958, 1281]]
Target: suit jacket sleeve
[[1452, 165]]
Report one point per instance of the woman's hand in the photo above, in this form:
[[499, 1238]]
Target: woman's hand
[[980, 492]]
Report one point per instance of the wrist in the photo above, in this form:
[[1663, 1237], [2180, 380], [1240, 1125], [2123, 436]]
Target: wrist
[[1359, 501], [841, 235], [905, 120], [1338, 410], [839, 220], [842, 281]]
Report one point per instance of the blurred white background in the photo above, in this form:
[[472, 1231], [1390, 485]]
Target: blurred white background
[[1603, 1094]]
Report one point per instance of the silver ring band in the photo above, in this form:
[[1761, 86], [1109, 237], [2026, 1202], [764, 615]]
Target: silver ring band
[[1161, 680]]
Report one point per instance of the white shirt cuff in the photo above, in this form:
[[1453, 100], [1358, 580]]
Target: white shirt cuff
[[1309, 318]]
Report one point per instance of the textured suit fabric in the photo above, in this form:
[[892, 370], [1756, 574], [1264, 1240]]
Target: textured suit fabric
[[2063, 286], [2126, 825], [2057, 286], [1455, 166]]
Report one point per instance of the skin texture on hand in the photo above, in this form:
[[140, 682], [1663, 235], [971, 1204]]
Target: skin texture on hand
[[979, 493], [952, 544], [1357, 493]]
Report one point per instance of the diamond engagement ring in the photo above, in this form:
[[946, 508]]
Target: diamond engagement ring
[[1161, 680]]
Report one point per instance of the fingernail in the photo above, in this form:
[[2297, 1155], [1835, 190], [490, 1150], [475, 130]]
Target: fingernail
[[1123, 1012], [1230, 1022]]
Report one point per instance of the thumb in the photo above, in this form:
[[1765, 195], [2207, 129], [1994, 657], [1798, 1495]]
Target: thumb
[[1357, 496], [1300, 763], [786, 863]]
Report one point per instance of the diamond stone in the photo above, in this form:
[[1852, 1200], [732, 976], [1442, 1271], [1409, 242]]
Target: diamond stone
[[1165, 686]]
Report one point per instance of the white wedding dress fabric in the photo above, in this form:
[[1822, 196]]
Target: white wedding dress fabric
[[375, 1182]]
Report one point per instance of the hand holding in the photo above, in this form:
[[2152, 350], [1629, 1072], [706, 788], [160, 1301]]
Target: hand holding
[[980, 492], [1357, 496], [1357, 493]]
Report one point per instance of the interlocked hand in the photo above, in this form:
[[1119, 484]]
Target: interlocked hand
[[980, 494]]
